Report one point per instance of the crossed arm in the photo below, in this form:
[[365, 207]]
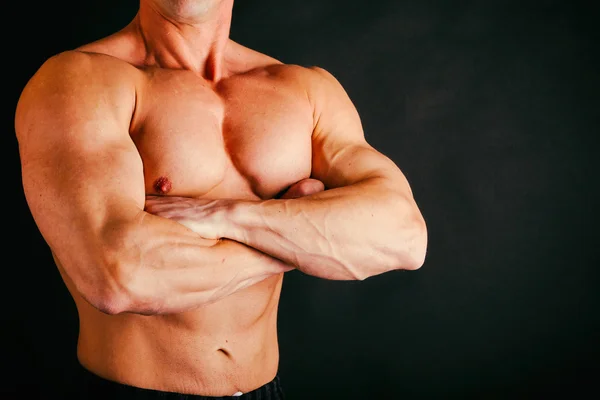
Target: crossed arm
[[83, 181], [364, 224]]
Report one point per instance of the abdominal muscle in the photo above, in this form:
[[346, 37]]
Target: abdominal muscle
[[215, 350]]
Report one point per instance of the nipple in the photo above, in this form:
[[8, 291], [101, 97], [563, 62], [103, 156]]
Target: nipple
[[162, 185]]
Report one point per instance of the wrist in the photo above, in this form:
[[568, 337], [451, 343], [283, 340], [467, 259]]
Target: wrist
[[232, 215], [245, 217]]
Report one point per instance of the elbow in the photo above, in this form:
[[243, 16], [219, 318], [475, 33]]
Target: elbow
[[110, 303], [112, 290], [124, 288], [415, 250], [106, 299], [111, 294], [98, 282], [404, 246], [413, 260], [126, 292], [108, 275], [410, 252]]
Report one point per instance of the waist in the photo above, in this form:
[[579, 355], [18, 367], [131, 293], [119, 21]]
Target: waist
[[92, 386], [156, 355]]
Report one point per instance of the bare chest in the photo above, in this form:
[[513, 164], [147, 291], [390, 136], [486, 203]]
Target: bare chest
[[247, 137]]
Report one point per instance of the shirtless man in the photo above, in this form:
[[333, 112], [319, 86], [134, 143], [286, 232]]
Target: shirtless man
[[177, 175]]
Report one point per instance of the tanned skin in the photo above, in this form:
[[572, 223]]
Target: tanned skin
[[176, 175]]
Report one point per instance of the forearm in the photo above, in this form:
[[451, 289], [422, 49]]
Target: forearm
[[166, 268], [350, 232]]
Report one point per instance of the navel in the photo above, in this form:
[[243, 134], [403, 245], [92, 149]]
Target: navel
[[162, 185]]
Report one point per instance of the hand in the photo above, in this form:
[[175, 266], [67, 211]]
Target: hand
[[302, 188], [206, 217]]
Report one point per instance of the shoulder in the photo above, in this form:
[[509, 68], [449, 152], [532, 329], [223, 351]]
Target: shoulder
[[316, 81], [73, 67], [321, 88], [74, 79], [241, 59], [313, 81], [76, 71]]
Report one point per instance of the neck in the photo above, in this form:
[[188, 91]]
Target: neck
[[191, 34]]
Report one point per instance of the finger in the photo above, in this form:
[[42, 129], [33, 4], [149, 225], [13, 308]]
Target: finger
[[302, 188]]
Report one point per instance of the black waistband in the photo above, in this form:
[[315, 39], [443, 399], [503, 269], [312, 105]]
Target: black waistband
[[94, 387]]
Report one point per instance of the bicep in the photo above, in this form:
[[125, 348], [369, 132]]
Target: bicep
[[81, 172], [74, 188], [341, 155]]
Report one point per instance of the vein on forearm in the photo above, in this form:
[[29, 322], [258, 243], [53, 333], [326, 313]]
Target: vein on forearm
[[333, 234]]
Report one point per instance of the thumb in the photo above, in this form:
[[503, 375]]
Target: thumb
[[302, 188]]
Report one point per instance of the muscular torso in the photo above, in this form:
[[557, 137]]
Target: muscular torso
[[248, 136]]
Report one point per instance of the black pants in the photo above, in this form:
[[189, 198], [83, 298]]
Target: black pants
[[94, 387]]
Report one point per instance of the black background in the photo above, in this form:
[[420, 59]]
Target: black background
[[489, 107]]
